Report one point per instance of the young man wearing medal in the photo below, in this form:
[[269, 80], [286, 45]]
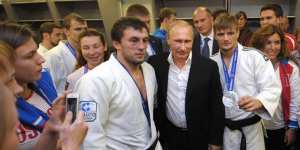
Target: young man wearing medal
[[62, 59], [251, 89], [117, 96]]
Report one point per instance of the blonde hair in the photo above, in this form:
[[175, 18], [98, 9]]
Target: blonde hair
[[7, 57], [7, 109]]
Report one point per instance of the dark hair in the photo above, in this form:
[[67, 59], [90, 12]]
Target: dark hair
[[260, 38], [225, 22], [219, 12], [90, 32], [47, 27], [277, 9], [15, 34], [239, 14], [124, 23], [137, 10], [72, 16], [166, 13]]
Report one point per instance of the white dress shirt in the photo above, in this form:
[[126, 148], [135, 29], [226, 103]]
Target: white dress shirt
[[176, 92]]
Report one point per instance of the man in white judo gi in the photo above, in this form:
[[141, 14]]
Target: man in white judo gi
[[62, 59], [251, 90], [118, 95], [51, 34]]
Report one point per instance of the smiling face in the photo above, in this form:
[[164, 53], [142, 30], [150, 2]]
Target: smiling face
[[28, 64], [133, 45], [273, 47], [93, 50]]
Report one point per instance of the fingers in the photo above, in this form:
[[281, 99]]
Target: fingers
[[68, 118], [80, 117], [286, 139], [60, 101], [249, 106], [245, 100]]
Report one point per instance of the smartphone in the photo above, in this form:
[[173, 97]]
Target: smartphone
[[72, 102]]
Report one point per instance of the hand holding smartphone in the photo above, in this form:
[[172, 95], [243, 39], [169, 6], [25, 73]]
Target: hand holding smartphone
[[72, 102]]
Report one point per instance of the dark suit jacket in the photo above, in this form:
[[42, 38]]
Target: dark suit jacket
[[156, 44], [197, 46], [203, 104]]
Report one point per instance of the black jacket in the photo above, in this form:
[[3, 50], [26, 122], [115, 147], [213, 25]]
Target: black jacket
[[204, 108]]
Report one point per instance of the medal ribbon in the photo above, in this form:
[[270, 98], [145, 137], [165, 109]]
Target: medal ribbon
[[229, 78]]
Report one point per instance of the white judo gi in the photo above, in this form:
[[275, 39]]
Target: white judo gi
[[255, 77], [75, 76], [60, 62], [113, 108], [42, 50]]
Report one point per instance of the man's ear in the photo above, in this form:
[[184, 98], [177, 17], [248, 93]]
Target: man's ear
[[116, 45], [66, 31], [45, 36]]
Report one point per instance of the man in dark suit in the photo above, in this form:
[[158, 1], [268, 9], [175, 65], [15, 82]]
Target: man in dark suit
[[204, 42], [190, 113], [141, 12]]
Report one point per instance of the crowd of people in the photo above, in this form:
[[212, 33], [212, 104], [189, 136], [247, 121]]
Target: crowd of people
[[210, 85]]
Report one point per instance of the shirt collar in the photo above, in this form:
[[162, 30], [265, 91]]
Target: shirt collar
[[188, 61], [210, 36]]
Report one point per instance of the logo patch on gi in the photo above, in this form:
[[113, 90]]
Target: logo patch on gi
[[90, 110]]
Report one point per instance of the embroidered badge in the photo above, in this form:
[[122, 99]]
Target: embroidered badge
[[90, 110]]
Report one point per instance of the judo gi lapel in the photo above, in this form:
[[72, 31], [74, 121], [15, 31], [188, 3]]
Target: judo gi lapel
[[149, 84], [126, 78]]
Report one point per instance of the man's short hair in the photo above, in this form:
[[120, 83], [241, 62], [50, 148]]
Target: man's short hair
[[48, 27], [225, 22], [180, 23], [124, 23], [166, 13], [70, 17], [219, 12], [201, 8], [137, 10], [277, 9]]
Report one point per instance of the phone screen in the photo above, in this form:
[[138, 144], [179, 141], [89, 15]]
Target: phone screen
[[72, 106]]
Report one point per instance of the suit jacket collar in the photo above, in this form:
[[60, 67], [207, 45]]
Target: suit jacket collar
[[197, 45]]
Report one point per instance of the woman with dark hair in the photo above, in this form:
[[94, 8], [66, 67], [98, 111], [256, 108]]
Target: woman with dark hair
[[92, 52], [245, 32], [281, 128]]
